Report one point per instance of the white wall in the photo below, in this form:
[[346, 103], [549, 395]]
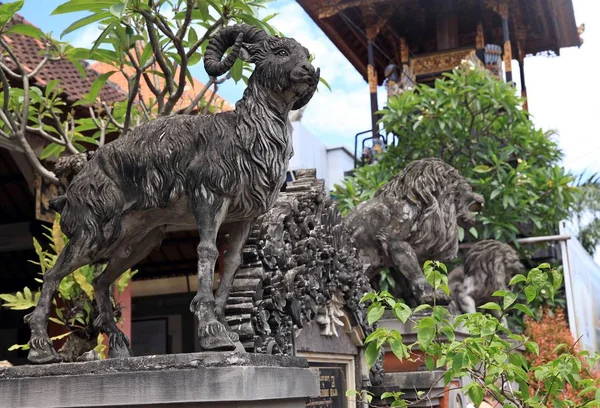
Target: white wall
[[339, 160], [309, 152]]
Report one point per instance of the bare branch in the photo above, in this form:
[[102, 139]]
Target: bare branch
[[25, 113], [6, 115], [188, 17], [133, 86], [63, 132], [13, 56], [217, 24], [42, 133], [211, 99], [157, 50], [111, 118], [8, 71]]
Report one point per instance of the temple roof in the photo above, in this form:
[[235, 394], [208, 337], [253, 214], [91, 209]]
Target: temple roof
[[540, 25]]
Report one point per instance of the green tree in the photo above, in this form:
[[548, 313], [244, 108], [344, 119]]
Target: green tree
[[150, 41], [475, 123], [490, 353]]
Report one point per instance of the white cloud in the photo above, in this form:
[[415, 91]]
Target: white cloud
[[84, 37]]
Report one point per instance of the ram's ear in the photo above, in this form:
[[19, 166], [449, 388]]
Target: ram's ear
[[245, 53]]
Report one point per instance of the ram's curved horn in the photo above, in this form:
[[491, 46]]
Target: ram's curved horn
[[231, 36]]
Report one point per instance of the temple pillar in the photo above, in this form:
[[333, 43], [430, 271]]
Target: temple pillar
[[372, 77]]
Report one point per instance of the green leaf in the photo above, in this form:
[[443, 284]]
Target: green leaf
[[368, 296], [518, 278], [236, 70], [25, 29], [8, 10], [324, 82], [117, 10], [449, 332], [422, 307], [83, 283], [50, 150], [18, 347], [82, 22], [57, 321], [402, 312], [73, 6], [429, 363], [530, 293], [425, 336], [491, 306], [103, 35], [500, 293], [532, 347], [475, 392], [509, 299], [399, 349], [97, 86], [458, 361], [524, 308], [375, 312], [372, 354], [482, 168], [557, 279]]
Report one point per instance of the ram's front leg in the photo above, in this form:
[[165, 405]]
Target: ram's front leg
[[404, 259], [210, 211]]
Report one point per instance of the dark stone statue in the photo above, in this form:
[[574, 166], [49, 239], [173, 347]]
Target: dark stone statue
[[488, 266], [218, 173], [412, 219]]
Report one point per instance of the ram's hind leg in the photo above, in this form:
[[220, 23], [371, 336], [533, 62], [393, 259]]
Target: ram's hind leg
[[231, 262], [71, 257], [119, 263]]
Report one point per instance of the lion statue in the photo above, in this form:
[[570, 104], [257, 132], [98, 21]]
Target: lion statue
[[411, 219], [488, 266]]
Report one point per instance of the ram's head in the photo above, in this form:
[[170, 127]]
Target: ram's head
[[282, 64]]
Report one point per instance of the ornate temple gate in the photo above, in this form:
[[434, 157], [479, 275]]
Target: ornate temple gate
[[401, 43]]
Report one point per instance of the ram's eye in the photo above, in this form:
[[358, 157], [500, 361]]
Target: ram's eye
[[282, 53]]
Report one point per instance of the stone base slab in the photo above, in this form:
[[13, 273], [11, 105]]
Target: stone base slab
[[228, 380]]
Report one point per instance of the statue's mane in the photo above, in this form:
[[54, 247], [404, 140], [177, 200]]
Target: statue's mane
[[431, 186], [422, 181], [490, 258]]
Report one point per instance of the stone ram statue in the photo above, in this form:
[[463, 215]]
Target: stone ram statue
[[488, 266], [217, 173], [412, 219]]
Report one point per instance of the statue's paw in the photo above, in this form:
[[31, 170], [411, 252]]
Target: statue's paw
[[215, 337], [42, 352]]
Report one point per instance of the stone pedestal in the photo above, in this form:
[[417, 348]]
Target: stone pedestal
[[228, 380]]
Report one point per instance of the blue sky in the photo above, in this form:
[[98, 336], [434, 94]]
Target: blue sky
[[563, 91]]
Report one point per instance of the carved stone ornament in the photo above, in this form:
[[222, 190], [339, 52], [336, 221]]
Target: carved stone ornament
[[488, 266], [412, 219], [300, 265], [217, 173]]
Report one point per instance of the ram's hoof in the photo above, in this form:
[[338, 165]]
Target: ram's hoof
[[46, 355], [214, 337]]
